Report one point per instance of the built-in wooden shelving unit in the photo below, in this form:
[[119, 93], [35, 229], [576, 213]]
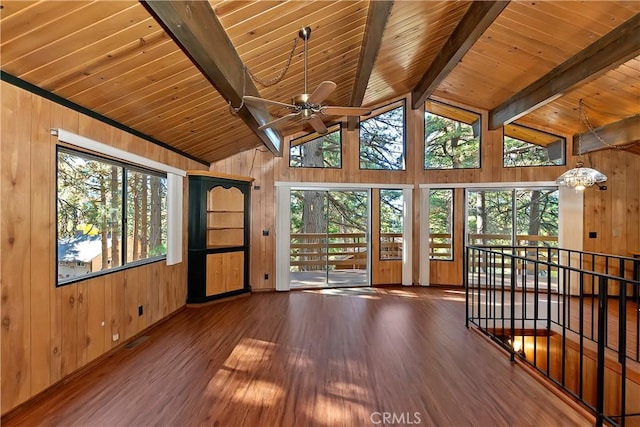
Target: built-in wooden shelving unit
[[218, 236]]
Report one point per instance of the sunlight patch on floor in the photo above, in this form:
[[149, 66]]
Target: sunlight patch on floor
[[258, 393], [366, 293], [239, 375], [402, 293]]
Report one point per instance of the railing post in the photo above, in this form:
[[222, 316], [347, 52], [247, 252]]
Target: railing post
[[465, 274], [622, 342], [602, 322], [513, 307]]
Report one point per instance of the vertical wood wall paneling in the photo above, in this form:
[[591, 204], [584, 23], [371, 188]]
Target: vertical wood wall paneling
[[94, 301], [15, 247], [154, 290], [50, 332], [632, 204], [42, 230], [377, 274], [82, 320], [131, 285], [143, 293], [119, 307], [69, 341]]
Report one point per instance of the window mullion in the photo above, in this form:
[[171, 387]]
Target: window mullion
[[123, 219]]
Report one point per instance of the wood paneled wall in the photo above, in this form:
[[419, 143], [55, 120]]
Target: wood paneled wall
[[49, 332], [620, 166], [614, 213]]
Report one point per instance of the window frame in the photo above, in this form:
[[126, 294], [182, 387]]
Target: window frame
[[125, 166], [424, 142], [376, 112], [338, 128]]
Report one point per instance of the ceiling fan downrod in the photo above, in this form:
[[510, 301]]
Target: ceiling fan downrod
[[304, 34]]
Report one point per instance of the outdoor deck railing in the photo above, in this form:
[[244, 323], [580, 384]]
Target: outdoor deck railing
[[313, 251], [339, 251], [573, 316]]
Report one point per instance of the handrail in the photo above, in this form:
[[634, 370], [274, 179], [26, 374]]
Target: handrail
[[554, 306]]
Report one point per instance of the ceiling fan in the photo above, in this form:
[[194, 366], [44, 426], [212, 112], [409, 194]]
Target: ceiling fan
[[307, 106]]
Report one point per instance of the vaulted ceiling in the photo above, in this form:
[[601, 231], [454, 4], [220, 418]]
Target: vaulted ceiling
[[171, 69]]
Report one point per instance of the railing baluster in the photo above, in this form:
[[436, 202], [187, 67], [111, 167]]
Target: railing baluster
[[513, 309], [465, 279], [602, 321], [502, 317], [549, 326], [622, 346], [581, 327]]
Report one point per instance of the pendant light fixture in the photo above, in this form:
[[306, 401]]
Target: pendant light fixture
[[582, 177]]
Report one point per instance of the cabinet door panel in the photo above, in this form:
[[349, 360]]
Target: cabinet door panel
[[234, 271], [215, 274]]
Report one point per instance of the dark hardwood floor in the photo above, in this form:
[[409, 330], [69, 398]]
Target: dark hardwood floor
[[308, 358]]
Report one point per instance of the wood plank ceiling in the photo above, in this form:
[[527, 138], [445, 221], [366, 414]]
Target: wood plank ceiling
[[115, 58]]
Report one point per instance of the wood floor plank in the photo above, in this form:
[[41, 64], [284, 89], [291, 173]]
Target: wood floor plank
[[307, 358]]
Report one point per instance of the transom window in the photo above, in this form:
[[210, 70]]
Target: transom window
[[523, 146], [317, 151], [109, 214], [382, 138], [451, 137]]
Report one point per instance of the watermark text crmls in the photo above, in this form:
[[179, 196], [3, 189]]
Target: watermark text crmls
[[391, 418]]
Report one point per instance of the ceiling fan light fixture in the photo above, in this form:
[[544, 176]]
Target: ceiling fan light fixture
[[306, 106]]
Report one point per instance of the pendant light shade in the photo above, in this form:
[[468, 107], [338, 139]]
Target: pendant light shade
[[582, 177]]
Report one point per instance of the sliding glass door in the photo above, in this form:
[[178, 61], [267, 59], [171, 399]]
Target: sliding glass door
[[329, 238]]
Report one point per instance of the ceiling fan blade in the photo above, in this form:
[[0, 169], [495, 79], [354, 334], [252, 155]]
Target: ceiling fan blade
[[279, 120], [322, 91], [254, 100], [345, 111], [318, 125]]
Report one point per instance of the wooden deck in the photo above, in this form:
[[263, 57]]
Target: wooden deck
[[333, 357], [337, 278]]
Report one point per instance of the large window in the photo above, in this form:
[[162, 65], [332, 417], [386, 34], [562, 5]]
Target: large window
[[507, 217], [451, 137], [109, 214], [523, 146], [382, 138], [317, 151], [391, 226], [441, 224]]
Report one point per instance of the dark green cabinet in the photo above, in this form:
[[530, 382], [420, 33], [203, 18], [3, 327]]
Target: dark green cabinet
[[218, 252]]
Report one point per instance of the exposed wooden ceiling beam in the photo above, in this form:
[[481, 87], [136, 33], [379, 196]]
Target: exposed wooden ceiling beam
[[617, 134], [615, 48], [376, 20], [197, 30], [474, 22]]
